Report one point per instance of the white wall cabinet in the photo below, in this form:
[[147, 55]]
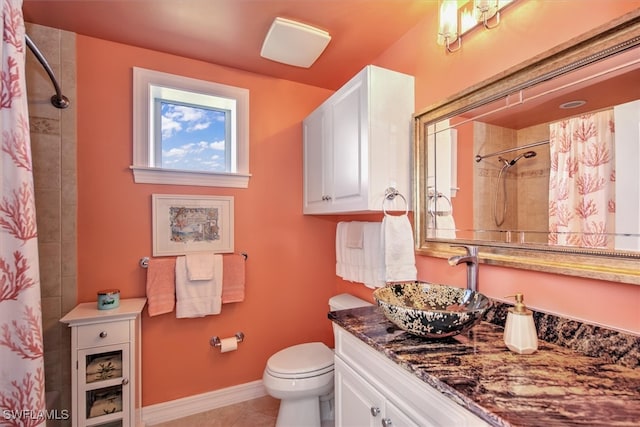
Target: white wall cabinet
[[105, 364], [370, 390], [358, 143]]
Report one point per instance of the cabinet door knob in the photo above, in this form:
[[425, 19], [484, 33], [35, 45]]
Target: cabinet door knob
[[125, 381], [386, 422], [375, 411], [103, 334]]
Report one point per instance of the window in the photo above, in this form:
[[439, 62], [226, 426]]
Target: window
[[188, 131]]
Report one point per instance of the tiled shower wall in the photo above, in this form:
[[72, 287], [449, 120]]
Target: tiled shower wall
[[53, 142], [527, 183]]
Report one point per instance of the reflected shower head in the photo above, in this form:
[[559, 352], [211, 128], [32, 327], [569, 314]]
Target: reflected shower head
[[526, 155]]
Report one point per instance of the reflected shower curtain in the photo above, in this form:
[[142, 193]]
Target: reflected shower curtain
[[22, 398], [582, 181]]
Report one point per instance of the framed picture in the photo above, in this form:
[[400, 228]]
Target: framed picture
[[184, 224]]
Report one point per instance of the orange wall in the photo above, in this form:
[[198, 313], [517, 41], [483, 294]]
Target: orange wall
[[528, 28], [291, 265], [290, 269]]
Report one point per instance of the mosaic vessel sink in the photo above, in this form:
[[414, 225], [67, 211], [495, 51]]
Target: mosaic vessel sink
[[430, 310]]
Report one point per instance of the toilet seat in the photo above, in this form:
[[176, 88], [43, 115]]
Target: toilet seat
[[301, 361]]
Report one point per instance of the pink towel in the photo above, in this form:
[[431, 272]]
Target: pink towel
[[233, 278], [161, 285]]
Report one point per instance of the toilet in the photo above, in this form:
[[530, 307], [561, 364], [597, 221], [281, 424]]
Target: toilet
[[301, 376]]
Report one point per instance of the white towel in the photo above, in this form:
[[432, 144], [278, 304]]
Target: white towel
[[355, 234], [198, 298], [399, 255], [363, 265], [445, 227], [200, 265]]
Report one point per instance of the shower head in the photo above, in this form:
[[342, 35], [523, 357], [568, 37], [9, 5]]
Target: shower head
[[526, 155]]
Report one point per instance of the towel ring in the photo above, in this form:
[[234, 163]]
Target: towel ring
[[390, 194], [432, 204]]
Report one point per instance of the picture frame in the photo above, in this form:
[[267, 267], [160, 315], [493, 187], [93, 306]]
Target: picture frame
[[184, 223]]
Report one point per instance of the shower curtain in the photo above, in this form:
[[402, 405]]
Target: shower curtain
[[582, 181], [22, 395]]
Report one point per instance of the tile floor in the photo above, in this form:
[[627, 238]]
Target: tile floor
[[261, 412]]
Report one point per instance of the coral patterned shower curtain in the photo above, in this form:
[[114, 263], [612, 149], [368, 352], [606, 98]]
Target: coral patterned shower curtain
[[582, 181], [22, 401]]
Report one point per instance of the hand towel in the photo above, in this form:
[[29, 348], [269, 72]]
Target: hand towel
[[445, 227], [107, 401], [104, 368], [233, 279], [200, 265], [399, 255], [363, 265], [161, 285], [355, 234], [198, 298]]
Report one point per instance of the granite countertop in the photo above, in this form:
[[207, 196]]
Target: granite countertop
[[556, 386]]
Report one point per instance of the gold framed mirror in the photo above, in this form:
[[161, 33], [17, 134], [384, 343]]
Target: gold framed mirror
[[467, 147]]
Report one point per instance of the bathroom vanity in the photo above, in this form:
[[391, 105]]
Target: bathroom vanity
[[385, 376], [370, 390]]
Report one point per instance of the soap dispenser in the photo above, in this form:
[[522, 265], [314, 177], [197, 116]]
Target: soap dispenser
[[520, 334]]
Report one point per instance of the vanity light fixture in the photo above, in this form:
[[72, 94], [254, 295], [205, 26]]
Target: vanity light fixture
[[448, 25], [457, 17], [484, 10]]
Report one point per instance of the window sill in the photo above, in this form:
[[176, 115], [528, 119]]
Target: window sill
[[147, 175]]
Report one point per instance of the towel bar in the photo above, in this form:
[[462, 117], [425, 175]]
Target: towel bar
[[144, 261]]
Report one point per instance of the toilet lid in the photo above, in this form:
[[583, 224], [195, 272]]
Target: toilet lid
[[301, 358]]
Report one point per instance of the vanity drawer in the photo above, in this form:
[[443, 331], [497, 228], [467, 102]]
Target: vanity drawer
[[99, 334]]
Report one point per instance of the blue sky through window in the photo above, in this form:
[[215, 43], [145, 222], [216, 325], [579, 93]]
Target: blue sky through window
[[193, 138]]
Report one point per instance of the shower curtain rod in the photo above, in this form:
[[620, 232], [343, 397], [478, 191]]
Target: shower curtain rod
[[508, 150], [58, 100]]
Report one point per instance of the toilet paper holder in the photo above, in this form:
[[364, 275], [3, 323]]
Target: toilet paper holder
[[217, 342]]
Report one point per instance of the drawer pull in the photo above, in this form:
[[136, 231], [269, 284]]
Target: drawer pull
[[125, 381], [375, 411], [103, 334], [386, 422]]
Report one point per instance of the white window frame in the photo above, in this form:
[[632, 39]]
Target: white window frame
[[145, 92]]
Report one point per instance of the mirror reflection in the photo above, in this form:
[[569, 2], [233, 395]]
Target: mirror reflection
[[554, 163]]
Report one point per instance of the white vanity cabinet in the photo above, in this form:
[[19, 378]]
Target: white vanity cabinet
[[358, 143], [370, 390], [363, 405], [105, 364]]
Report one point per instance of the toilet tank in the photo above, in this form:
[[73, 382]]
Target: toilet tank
[[346, 301]]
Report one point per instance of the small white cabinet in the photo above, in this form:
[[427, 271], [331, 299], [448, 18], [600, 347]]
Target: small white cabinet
[[358, 143], [370, 390], [105, 364]]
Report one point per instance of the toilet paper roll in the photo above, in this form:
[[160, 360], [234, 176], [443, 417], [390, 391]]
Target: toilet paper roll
[[228, 344]]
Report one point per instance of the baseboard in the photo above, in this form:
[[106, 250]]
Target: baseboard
[[179, 408]]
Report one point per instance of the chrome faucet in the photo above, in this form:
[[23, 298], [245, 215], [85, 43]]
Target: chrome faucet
[[471, 259]]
